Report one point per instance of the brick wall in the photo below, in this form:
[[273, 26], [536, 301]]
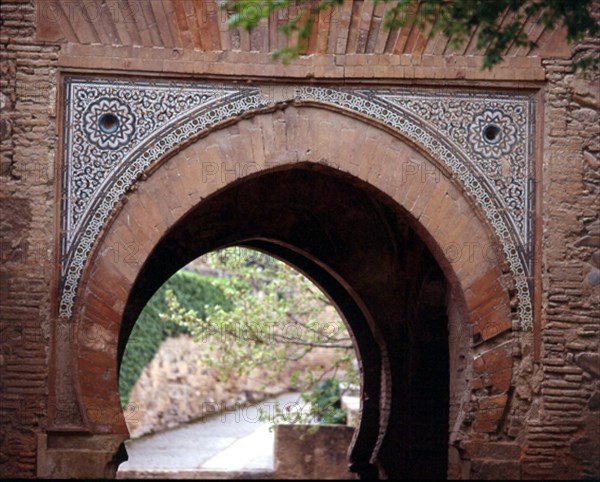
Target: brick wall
[[174, 189], [28, 140], [563, 425], [548, 425]]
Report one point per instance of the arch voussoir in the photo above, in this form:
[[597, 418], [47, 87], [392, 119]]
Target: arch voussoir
[[430, 201]]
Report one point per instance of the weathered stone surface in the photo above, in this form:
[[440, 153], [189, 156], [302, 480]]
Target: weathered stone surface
[[551, 402], [589, 362], [493, 469], [591, 241], [80, 456], [197, 474], [300, 454]]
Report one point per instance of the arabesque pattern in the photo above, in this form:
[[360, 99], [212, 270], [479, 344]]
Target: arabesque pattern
[[484, 139]]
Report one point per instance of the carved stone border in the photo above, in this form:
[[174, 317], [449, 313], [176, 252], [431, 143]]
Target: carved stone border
[[115, 130]]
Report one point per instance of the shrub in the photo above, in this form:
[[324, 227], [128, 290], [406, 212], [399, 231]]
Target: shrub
[[195, 292], [325, 399]]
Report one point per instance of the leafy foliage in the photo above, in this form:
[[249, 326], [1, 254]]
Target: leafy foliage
[[195, 291], [499, 23], [274, 315], [326, 400]]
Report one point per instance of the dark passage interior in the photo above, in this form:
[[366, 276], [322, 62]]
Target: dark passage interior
[[359, 247]]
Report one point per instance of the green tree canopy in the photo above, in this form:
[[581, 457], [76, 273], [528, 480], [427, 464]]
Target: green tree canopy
[[456, 19], [149, 331], [271, 315]]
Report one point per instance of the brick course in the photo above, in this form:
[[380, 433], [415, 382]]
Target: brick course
[[162, 195], [28, 140], [523, 417]]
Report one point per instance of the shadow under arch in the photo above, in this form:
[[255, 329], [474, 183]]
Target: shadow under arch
[[361, 251]]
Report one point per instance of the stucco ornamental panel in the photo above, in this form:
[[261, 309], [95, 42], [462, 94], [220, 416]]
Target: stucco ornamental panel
[[115, 130]]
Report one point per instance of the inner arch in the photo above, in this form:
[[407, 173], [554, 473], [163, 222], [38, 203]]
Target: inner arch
[[357, 245]]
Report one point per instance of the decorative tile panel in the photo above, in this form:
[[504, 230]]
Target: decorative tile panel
[[115, 130], [493, 131], [440, 122]]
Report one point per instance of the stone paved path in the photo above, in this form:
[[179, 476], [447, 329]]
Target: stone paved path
[[232, 441]]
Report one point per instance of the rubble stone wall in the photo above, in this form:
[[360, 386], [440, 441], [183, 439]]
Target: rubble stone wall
[[177, 386]]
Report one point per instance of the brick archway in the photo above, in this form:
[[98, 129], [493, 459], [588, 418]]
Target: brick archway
[[434, 206]]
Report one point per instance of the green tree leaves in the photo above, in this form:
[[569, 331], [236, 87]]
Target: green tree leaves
[[274, 315], [197, 292], [498, 24]]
